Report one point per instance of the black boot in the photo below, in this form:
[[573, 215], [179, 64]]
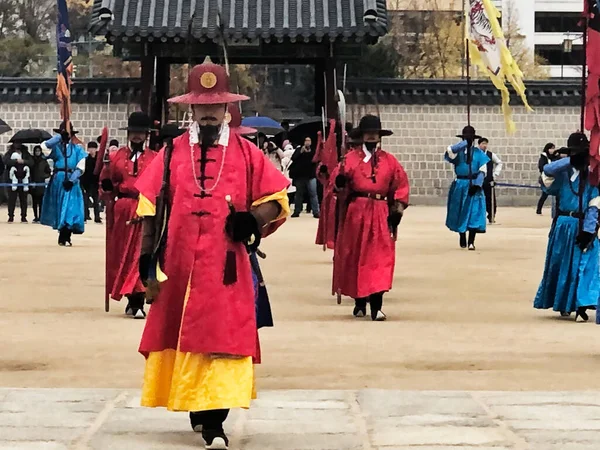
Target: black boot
[[376, 301], [581, 312], [135, 305], [64, 237], [210, 424], [360, 307], [463, 240], [472, 235]]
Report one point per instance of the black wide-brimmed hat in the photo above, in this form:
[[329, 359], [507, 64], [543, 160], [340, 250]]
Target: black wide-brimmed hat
[[138, 122], [170, 131], [369, 123], [468, 132], [63, 126], [577, 143]]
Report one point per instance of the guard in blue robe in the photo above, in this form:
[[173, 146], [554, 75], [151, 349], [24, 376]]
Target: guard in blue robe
[[571, 279], [62, 207], [466, 199]]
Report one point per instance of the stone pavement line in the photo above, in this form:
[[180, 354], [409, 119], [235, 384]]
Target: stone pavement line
[[519, 442], [359, 419], [83, 442]]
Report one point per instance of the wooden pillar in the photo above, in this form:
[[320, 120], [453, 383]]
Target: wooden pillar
[[160, 109], [148, 65]]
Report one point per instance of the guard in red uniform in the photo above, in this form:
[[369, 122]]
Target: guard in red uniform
[[222, 195], [376, 192], [326, 172], [118, 178]]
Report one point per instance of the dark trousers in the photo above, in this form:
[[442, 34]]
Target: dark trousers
[[304, 185], [490, 193], [90, 197], [541, 202], [12, 202], [210, 420], [36, 201]]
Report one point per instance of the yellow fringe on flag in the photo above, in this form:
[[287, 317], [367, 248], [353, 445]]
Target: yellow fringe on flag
[[509, 69]]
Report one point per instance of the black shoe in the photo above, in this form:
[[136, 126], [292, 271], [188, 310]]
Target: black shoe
[[295, 215], [98, 220], [316, 216], [581, 312], [24, 220], [11, 219], [538, 212], [472, 247], [36, 220], [463, 241], [87, 218], [215, 439], [378, 316], [359, 312]]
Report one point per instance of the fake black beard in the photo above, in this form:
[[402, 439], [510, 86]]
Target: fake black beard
[[208, 135], [137, 146], [371, 146]]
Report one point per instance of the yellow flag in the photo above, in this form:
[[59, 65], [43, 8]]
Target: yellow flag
[[489, 51]]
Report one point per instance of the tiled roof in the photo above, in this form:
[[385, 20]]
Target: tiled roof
[[297, 20]]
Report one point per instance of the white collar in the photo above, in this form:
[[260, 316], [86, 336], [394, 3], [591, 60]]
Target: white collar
[[223, 134], [575, 175], [368, 154]]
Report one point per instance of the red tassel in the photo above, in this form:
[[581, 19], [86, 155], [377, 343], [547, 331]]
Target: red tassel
[[230, 274]]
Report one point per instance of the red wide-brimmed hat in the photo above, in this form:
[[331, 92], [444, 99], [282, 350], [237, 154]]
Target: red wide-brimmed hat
[[235, 122], [208, 84]]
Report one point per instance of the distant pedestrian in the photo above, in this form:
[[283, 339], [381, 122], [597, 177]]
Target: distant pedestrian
[[548, 155], [303, 172], [18, 162], [494, 169], [39, 174], [90, 183]]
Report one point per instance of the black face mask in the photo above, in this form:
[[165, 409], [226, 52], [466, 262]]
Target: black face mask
[[137, 146], [371, 146], [208, 135]]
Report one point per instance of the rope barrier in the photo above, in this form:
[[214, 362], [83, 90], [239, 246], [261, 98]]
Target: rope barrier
[[512, 185], [23, 184]]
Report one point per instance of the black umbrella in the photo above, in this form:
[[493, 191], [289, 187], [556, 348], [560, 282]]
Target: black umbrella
[[4, 127], [30, 136], [306, 128]]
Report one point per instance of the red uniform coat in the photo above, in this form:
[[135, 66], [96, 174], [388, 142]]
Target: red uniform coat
[[327, 219], [216, 318], [126, 231], [365, 250]]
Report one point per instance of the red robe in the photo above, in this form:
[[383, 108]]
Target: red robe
[[126, 231], [365, 252], [215, 318]]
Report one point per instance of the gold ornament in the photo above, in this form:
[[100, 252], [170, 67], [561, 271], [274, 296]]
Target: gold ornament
[[208, 80]]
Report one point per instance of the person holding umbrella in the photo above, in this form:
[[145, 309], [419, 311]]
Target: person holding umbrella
[[62, 207]]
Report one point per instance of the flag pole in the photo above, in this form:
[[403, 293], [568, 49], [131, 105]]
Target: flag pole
[[584, 72], [468, 82]]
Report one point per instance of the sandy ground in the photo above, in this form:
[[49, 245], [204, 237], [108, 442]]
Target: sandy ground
[[458, 319]]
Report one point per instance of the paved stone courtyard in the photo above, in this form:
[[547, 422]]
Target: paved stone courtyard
[[102, 419]]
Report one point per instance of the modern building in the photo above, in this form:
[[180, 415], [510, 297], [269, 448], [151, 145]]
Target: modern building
[[550, 28]]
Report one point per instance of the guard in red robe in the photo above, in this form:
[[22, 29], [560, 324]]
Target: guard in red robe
[[118, 178], [376, 191], [222, 196], [328, 161]]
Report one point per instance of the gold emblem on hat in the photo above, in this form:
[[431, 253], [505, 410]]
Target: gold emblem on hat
[[227, 118], [208, 80]]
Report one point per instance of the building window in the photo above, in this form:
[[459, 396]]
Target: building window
[[557, 22], [555, 56]]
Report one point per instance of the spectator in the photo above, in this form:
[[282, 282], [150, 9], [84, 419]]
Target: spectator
[[90, 183], [303, 173], [39, 173], [113, 143], [275, 154], [547, 156], [18, 161]]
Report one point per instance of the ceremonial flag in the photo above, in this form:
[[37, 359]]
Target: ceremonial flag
[[592, 111], [64, 60], [489, 51]]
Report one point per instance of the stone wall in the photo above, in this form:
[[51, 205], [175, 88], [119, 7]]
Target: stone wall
[[89, 119], [423, 132]]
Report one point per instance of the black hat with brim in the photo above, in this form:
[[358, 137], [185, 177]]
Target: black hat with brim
[[369, 124], [577, 143], [63, 126], [138, 122], [468, 132]]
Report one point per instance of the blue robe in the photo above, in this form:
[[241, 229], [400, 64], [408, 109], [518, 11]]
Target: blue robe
[[60, 208], [571, 278], [466, 212]]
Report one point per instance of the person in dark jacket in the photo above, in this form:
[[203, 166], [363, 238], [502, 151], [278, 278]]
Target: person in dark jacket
[[90, 183], [303, 174], [18, 163], [39, 173], [547, 156]]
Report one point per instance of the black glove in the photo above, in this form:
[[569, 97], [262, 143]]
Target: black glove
[[323, 169], [242, 227], [579, 160], [341, 181], [68, 185], [65, 137], [107, 185], [474, 189], [394, 220], [584, 239], [144, 267]]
